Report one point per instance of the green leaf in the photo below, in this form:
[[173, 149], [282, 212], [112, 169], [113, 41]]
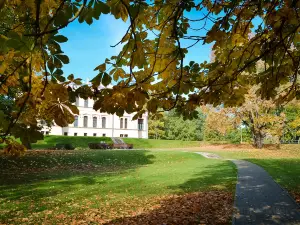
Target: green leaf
[[71, 77], [50, 65], [134, 10], [77, 81], [60, 38], [104, 8], [63, 58], [97, 80], [60, 19], [60, 78], [74, 109], [89, 18], [97, 11], [58, 72], [106, 79], [57, 62]]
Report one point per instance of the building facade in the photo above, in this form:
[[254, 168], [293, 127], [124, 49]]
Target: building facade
[[92, 123]]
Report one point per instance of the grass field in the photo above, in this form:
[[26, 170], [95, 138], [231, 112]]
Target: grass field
[[282, 164], [156, 143], [82, 142], [105, 186]]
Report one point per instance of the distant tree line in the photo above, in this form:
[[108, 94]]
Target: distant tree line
[[257, 122]]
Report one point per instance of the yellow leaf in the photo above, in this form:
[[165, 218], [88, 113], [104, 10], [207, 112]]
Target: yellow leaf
[[101, 67]]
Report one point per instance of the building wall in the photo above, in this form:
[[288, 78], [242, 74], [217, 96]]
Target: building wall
[[112, 128]]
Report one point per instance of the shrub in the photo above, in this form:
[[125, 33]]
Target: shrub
[[99, 146], [63, 146]]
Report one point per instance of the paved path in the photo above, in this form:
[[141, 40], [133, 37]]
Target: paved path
[[209, 155], [260, 200]]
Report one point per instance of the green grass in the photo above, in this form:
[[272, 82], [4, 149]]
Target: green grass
[[82, 142], [139, 143], [286, 172], [73, 183], [282, 164]]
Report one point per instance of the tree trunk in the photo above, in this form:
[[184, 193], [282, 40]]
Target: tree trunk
[[258, 140]]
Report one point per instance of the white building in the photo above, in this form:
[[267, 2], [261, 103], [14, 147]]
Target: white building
[[92, 123]]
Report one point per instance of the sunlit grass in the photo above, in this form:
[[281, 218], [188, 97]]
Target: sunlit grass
[[48, 185], [139, 143]]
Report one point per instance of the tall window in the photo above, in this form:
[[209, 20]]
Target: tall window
[[125, 123], [140, 124], [94, 122], [121, 123], [85, 121], [77, 101], [76, 121], [103, 122], [86, 103]]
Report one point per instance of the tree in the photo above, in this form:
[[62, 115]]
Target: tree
[[156, 128], [218, 123], [179, 129], [28, 133], [258, 115], [30, 73], [239, 43], [31, 56], [292, 126]]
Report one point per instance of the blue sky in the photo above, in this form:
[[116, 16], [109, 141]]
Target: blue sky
[[89, 45]]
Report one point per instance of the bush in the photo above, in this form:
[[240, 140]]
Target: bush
[[99, 146], [62, 146]]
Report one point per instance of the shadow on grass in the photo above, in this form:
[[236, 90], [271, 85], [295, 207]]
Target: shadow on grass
[[26, 176]]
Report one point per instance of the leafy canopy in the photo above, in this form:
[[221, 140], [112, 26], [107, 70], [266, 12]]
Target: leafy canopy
[[31, 58]]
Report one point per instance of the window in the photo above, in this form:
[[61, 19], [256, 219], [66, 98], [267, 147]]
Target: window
[[125, 123], [121, 135], [140, 124], [94, 122], [94, 134], [85, 121], [65, 133], [77, 102], [103, 122], [121, 123], [47, 132], [86, 103], [85, 134], [76, 121], [75, 134], [125, 135], [103, 135]]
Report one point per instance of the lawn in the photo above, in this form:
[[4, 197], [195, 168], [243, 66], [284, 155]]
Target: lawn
[[139, 143], [82, 142], [115, 187], [282, 164]]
